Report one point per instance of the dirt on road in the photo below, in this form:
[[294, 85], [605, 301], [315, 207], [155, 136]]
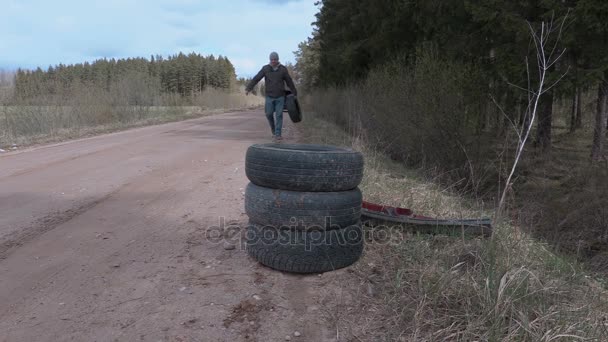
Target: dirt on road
[[123, 237]]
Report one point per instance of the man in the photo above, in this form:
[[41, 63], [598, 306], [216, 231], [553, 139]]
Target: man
[[276, 76]]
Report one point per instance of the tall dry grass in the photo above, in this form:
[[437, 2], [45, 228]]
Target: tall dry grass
[[411, 287], [219, 99], [85, 110], [426, 115]]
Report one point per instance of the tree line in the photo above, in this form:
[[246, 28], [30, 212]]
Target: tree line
[[181, 74], [493, 37], [6, 85]]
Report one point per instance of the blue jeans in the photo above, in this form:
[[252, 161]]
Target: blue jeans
[[275, 105]]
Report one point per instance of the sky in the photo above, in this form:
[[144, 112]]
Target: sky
[[41, 32]]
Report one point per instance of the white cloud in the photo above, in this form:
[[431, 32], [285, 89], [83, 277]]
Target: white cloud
[[246, 65], [39, 32]]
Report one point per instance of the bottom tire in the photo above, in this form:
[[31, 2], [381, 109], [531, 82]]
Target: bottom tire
[[299, 251]]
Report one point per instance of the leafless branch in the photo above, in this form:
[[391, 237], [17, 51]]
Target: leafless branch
[[515, 128], [559, 36], [556, 82], [545, 62], [520, 88]]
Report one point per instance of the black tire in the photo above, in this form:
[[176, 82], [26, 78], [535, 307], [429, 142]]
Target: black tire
[[300, 167], [293, 108], [302, 210], [305, 251]]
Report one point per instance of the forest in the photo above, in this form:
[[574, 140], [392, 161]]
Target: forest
[[181, 74]]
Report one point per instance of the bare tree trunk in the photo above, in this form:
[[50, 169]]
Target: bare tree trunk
[[545, 119], [575, 121], [482, 124], [508, 116], [487, 125], [597, 151], [498, 115], [575, 106], [579, 108]]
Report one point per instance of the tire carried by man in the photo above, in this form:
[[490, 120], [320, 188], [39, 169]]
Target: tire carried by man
[[292, 106], [304, 206]]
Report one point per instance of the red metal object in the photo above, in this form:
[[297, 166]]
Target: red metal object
[[404, 216], [391, 211]]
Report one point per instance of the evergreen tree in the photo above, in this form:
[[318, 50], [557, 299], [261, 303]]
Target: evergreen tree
[[181, 74]]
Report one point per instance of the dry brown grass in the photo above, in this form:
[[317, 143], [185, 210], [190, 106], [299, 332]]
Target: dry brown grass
[[217, 99], [87, 112], [446, 288], [388, 182], [563, 199]]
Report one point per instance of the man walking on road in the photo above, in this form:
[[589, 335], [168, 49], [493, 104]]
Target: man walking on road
[[275, 75]]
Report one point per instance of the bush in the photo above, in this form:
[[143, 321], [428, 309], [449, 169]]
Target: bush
[[425, 114]]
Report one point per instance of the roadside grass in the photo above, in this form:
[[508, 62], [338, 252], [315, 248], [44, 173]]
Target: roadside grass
[[410, 287], [87, 116], [565, 198]]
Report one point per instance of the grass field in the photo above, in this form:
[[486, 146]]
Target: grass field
[[26, 125]]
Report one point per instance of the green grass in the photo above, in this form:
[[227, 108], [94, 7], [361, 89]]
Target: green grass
[[448, 288]]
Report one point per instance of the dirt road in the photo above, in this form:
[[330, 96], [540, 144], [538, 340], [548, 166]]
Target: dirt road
[[106, 239]]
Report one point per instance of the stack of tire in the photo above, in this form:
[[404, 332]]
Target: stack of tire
[[304, 206]]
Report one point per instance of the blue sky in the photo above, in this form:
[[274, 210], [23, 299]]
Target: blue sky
[[42, 32]]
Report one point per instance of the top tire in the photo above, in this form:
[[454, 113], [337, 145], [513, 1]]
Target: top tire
[[302, 167]]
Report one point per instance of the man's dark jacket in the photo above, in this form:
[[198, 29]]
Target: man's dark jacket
[[275, 81]]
